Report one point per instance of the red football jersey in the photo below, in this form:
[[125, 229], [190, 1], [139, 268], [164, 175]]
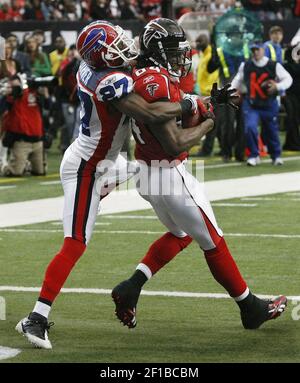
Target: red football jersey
[[153, 84]]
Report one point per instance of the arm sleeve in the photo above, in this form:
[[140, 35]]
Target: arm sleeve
[[285, 79], [238, 78], [114, 86]]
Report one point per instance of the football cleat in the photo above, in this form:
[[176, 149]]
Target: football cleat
[[263, 311], [35, 328], [126, 295]]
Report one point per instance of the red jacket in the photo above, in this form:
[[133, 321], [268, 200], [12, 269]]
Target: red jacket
[[24, 117]]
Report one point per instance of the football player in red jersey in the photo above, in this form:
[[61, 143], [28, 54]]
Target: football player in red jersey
[[178, 200], [105, 91]]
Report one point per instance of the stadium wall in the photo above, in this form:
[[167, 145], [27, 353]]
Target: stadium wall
[[69, 29]]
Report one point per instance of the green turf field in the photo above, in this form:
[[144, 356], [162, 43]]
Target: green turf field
[[170, 329]]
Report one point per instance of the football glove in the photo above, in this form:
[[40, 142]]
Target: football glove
[[223, 96]]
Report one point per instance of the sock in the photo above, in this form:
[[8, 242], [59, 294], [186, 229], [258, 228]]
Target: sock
[[57, 272], [161, 252], [138, 279], [42, 308], [225, 271]]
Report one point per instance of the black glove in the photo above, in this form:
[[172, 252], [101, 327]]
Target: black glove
[[223, 96]]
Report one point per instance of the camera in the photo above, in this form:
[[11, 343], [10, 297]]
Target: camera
[[4, 86], [36, 82]]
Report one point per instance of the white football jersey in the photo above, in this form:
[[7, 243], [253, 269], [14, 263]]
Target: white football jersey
[[103, 129]]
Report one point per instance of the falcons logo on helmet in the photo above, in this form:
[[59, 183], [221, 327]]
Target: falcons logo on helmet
[[153, 31]]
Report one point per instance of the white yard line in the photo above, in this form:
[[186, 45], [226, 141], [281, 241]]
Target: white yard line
[[8, 187], [46, 183], [181, 294], [255, 235], [234, 164], [7, 352], [50, 209]]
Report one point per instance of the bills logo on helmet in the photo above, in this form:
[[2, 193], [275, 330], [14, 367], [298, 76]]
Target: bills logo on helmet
[[153, 31], [94, 40], [152, 88]]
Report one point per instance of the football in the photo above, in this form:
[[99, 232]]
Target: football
[[268, 86], [189, 120]]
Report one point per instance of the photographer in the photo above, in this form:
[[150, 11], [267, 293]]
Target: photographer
[[22, 126]]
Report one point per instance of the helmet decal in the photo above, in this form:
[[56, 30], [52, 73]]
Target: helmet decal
[[153, 31], [94, 41]]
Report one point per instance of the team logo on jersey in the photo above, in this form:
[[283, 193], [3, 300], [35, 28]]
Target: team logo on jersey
[[153, 31], [110, 80], [94, 40], [152, 88], [148, 79]]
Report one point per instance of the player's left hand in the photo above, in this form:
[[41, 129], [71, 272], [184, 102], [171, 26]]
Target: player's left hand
[[224, 96]]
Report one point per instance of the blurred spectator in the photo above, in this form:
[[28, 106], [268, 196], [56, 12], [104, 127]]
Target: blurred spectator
[[39, 35], [229, 124], [129, 11], [33, 10], [71, 12], [10, 13], [292, 103], [40, 65], [100, 10], [22, 124], [297, 8], [68, 95], [19, 56], [151, 9], [10, 66], [273, 49], [205, 81], [58, 55]]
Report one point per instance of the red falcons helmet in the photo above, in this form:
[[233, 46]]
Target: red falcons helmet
[[102, 44]]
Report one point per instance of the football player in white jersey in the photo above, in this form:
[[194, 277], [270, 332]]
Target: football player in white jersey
[[105, 92]]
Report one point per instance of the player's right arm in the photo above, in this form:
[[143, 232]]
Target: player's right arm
[[136, 107]]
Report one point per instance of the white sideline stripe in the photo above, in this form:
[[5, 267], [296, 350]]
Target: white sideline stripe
[[96, 223], [235, 204], [7, 352], [269, 199], [263, 161], [130, 216], [295, 236], [7, 187], [46, 183], [182, 294], [50, 209]]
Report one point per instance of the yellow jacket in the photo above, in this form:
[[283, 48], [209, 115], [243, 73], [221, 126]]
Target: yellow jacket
[[56, 59], [205, 80]]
